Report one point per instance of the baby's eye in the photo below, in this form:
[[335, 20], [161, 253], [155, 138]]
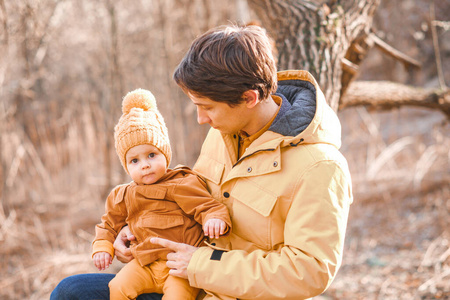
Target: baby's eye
[[151, 155], [134, 160]]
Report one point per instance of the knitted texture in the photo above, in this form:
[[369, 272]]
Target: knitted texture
[[141, 123]]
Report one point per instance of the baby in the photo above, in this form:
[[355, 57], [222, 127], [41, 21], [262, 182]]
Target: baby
[[159, 202]]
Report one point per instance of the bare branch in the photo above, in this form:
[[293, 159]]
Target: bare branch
[[437, 52], [4, 42], [350, 67], [357, 52], [387, 95], [386, 48], [4, 21]]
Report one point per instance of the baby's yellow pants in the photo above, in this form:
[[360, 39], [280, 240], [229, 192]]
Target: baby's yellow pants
[[133, 280]]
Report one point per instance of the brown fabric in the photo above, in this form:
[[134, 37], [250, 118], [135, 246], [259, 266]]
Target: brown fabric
[[173, 208], [134, 279], [245, 140]]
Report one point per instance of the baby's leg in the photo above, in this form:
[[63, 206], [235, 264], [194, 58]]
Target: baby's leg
[[178, 288], [133, 280]]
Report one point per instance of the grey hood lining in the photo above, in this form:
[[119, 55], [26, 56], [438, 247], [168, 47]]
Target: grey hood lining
[[297, 109]]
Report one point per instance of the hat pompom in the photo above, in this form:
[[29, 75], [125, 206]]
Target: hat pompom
[[139, 98]]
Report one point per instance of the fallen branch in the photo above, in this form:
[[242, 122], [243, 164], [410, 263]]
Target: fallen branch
[[388, 95]]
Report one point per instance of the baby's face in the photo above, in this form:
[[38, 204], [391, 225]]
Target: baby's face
[[146, 164]]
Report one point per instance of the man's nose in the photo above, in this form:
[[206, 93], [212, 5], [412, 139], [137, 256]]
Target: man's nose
[[202, 117]]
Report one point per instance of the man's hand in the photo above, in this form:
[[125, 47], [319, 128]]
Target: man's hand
[[102, 260], [214, 228], [122, 245], [178, 260]]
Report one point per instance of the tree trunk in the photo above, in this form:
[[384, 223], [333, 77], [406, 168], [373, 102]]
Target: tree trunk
[[315, 35]]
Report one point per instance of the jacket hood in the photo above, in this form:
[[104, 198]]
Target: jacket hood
[[304, 115]]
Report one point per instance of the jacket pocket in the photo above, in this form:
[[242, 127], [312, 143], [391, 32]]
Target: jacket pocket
[[161, 221], [212, 172], [254, 196], [151, 191], [149, 198], [251, 211]]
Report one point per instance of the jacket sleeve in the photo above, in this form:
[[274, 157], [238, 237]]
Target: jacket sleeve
[[194, 199], [113, 220], [305, 264]]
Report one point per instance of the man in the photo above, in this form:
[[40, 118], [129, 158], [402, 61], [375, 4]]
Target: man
[[273, 160]]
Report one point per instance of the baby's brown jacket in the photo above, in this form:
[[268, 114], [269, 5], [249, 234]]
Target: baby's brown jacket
[[172, 208]]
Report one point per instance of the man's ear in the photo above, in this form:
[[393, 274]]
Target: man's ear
[[251, 98]]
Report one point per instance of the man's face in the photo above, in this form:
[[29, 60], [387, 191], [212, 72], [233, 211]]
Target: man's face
[[220, 115], [145, 164]]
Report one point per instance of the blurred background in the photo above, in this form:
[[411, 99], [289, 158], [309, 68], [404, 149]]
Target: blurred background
[[64, 68]]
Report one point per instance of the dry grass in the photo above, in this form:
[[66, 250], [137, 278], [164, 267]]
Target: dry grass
[[398, 235], [51, 197]]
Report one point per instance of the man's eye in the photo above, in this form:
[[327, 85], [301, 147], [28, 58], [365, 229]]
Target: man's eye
[[151, 155]]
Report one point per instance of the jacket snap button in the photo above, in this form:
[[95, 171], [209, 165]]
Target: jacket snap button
[[226, 195], [275, 163], [249, 169]]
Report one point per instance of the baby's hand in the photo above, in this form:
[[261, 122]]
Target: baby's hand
[[102, 260], [214, 227]]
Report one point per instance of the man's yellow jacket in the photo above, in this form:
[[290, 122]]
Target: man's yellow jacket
[[288, 196]]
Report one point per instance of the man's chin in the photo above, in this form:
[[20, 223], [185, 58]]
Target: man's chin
[[222, 131]]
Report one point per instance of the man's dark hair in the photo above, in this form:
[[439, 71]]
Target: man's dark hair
[[225, 62]]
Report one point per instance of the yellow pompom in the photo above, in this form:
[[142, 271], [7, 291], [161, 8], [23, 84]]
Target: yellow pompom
[[139, 98]]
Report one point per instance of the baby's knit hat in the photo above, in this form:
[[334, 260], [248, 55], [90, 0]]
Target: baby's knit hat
[[141, 123]]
